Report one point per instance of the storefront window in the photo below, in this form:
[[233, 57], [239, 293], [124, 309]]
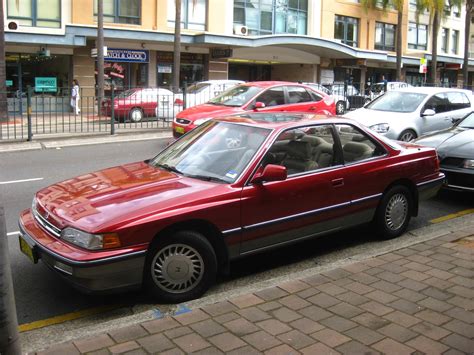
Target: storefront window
[[35, 13], [265, 17], [193, 14], [120, 11], [191, 71]]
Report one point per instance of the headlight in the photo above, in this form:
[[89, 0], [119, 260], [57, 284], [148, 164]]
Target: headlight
[[468, 164], [380, 128], [90, 241], [201, 121]]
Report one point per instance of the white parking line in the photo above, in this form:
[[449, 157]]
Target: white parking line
[[17, 181]]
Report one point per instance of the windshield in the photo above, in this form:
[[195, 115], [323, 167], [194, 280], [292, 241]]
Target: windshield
[[126, 93], [214, 151], [467, 122], [397, 101], [237, 96], [195, 88]]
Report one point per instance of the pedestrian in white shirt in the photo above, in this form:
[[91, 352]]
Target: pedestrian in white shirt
[[75, 97]]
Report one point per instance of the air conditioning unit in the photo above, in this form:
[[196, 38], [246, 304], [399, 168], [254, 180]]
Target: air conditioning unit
[[13, 25], [241, 30]]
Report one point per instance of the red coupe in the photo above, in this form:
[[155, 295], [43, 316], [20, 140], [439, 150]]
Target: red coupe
[[232, 187], [259, 96]]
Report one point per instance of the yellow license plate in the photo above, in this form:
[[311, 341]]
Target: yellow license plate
[[27, 250], [179, 130]]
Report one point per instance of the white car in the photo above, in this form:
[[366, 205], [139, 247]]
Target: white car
[[201, 92], [342, 104], [379, 88], [408, 113], [168, 104]]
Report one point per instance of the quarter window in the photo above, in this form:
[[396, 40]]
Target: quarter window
[[193, 14], [35, 13], [346, 29], [385, 36], [356, 145], [120, 11], [417, 36], [298, 94]]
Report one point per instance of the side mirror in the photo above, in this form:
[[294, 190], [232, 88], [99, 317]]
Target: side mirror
[[428, 112], [258, 105], [270, 173]]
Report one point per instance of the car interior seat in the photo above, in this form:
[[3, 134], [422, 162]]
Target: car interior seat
[[354, 151], [299, 157]]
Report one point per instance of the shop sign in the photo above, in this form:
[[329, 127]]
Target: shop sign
[[217, 53], [351, 62], [167, 69], [453, 66], [46, 84], [127, 55]]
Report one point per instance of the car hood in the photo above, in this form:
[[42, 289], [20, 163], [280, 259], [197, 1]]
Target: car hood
[[119, 195], [372, 117], [457, 141], [208, 111]]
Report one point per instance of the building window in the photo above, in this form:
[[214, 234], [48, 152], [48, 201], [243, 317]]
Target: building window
[[417, 36], [193, 14], [454, 41], [385, 36], [36, 13], [346, 29], [266, 17], [120, 11], [444, 40], [456, 10], [412, 4]]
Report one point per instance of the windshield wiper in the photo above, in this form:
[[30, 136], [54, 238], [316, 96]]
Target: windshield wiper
[[207, 178], [168, 168]]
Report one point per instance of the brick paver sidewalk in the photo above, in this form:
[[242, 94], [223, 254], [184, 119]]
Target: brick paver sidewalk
[[415, 300]]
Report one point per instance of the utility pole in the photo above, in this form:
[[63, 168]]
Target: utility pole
[[9, 338], [100, 53], [177, 47], [3, 75]]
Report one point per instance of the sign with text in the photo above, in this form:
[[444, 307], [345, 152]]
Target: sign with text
[[127, 55], [217, 53], [46, 84], [423, 66]]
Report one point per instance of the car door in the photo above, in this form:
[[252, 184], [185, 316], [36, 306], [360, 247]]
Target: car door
[[301, 100], [272, 98], [312, 199], [148, 99], [439, 103]]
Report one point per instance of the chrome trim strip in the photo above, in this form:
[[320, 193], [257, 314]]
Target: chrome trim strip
[[46, 224], [231, 231], [430, 181], [459, 187], [80, 263], [302, 214], [363, 199]]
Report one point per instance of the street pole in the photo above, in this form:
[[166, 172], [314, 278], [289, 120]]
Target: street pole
[[3, 74], [9, 337], [100, 54], [177, 47]]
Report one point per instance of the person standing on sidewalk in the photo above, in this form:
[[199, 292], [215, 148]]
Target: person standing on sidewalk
[[75, 97]]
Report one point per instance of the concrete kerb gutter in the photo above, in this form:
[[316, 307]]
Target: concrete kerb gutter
[[60, 141], [43, 338]]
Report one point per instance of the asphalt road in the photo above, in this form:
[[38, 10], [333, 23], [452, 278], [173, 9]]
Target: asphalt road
[[40, 294]]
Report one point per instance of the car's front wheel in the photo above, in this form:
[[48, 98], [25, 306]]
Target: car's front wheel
[[407, 135], [340, 107], [180, 268], [136, 114], [394, 212]]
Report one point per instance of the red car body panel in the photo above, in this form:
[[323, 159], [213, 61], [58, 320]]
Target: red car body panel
[[137, 201]]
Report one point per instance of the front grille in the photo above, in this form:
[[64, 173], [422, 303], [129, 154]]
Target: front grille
[[182, 121], [452, 162], [43, 222]]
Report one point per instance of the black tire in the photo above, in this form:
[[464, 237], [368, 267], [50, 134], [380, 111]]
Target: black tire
[[340, 107], [136, 114], [394, 212], [189, 264], [407, 135]]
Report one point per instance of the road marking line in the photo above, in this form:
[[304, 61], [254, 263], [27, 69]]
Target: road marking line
[[17, 181], [13, 233], [65, 318], [452, 215]]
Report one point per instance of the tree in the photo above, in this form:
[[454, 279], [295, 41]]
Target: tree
[[177, 47], [467, 33], [436, 11], [3, 74]]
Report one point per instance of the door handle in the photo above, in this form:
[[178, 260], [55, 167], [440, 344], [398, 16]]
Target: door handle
[[337, 182]]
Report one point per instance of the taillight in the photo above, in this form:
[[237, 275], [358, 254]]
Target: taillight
[[178, 102]]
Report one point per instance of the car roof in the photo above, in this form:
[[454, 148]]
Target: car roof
[[433, 90], [219, 81], [265, 84]]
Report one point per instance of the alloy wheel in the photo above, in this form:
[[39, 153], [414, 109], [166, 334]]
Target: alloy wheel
[[396, 211]]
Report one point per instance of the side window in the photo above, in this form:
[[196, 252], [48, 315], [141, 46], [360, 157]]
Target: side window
[[356, 145], [458, 100], [439, 103], [272, 97], [303, 150], [297, 94]]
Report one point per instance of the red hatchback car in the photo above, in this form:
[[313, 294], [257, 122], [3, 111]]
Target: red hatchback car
[[259, 96], [231, 187]]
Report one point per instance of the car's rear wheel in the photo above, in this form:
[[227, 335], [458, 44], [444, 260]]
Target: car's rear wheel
[[180, 268], [407, 135], [136, 114], [394, 212], [340, 107]]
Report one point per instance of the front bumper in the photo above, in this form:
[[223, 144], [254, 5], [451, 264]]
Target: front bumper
[[101, 275], [459, 179]]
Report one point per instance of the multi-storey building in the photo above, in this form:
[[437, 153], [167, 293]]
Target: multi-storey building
[[307, 40]]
